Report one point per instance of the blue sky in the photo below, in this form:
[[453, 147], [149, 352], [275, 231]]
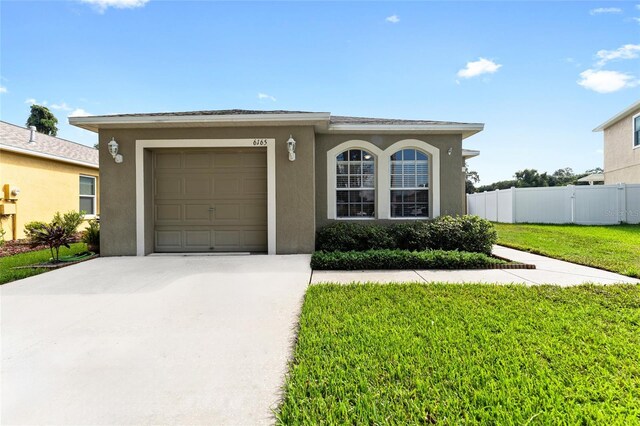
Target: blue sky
[[540, 75]]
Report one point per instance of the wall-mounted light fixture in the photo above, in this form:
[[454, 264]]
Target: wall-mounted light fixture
[[450, 150], [291, 148], [113, 150]]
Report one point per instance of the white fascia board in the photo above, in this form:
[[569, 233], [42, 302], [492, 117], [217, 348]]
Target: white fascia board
[[94, 123], [47, 156], [466, 129], [470, 153], [617, 117]]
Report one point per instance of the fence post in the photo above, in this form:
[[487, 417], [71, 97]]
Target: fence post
[[621, 198], [485, 204], [497, 205], [513, 204], [572, 194]]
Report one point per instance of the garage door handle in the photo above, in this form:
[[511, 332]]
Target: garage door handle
[[211, 209]]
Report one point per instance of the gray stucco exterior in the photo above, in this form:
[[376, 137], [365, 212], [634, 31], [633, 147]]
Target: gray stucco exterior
[[300, 185]]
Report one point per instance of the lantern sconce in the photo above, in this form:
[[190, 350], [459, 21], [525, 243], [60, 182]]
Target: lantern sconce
[[450, 150], [291, 148], [113, 150]]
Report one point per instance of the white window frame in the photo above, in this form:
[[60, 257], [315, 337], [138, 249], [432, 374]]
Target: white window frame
[[332, 164], [93, 197], [633, 132], [383, 176], [414, 188]]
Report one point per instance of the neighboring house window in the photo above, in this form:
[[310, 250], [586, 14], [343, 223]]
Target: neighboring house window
[[636, 131], [409, 170], [88, 194], [355, 184]]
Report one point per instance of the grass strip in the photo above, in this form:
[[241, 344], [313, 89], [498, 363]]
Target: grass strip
[[465, 354], [614, 248], [7, 274]]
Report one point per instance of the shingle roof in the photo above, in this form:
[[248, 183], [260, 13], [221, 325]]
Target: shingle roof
[[338, 119], [13, 136], [208, 112], [335, 119]]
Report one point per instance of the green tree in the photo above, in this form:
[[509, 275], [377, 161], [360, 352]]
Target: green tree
[[43, 119], [472, 177]]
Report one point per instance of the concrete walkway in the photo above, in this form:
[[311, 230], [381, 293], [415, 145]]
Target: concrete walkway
[[153, 340], [548, 271]]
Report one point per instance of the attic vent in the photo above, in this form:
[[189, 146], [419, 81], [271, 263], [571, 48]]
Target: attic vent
[[32, 137]]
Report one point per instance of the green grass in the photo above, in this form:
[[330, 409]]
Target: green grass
[[614, 248], [23, 259], [466, 354]]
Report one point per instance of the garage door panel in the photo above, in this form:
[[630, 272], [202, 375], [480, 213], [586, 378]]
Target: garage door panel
[[168, 186], [254, 186], [197, 160], [197, 185], [210, 200], [200, 239], [168, 212], [224, 160], [224, 187], [168, 160], [168, 240]]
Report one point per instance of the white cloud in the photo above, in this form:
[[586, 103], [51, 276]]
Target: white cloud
[[606, 81], [603, 10], [79, 112], [638, 6], [637, 20], [599, 151], [628, 51], [264, 96], [3, 89], [61, 106], [394, 19], [32, 101], [103, 5], [479, 67]]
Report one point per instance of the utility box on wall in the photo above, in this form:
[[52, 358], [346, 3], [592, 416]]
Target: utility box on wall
[[7, 209], [11, 192]]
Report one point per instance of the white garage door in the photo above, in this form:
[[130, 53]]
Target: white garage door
[[212, 200]]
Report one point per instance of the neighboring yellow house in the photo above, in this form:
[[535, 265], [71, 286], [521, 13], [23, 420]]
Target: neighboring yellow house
[[40, 175]]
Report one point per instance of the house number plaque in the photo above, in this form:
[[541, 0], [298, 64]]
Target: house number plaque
[[259, 142]]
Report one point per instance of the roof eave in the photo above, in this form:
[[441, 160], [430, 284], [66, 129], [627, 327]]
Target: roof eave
[[95, 123], [47, 156], [617, 117], [465, 129]]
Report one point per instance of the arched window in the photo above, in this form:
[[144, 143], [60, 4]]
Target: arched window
[[355, 184], [409, 169]]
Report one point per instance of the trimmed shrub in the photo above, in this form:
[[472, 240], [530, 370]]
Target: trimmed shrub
[[346, 236], [463, 233], [400, 259], [30, 228], [69, 221]]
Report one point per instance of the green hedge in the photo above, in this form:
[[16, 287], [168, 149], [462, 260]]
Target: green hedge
[[400, 259], [463, 233]]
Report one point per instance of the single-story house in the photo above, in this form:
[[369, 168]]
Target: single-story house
[[265, 181], [622, 146], [42, 174]]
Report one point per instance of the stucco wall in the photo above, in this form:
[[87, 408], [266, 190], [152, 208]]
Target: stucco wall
[[295, 226], [46, 186], [451, 175], [621, 160]]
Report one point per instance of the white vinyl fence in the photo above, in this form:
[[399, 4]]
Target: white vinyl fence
[[584, 205]]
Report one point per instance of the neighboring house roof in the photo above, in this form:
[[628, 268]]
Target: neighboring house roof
[[16, 139], [324, 122], [594, 177], [617, 117]]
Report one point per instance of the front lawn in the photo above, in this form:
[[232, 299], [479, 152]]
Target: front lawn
[[466, 354], [34, 257], [614, 248]]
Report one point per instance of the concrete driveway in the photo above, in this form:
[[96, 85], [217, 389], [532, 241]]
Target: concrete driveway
[[153, 340]]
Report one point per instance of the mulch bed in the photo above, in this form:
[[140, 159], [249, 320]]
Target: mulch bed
[[18, 246]]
